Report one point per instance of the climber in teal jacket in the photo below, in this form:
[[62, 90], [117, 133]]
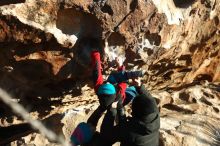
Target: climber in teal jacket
[[105, 91]]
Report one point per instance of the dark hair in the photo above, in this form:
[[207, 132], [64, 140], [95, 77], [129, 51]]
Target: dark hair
[[142, 106]]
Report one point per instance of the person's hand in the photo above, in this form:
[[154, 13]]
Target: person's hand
[[114, 104], [117, 104], [136, 82], [118, 61], [106, 47]]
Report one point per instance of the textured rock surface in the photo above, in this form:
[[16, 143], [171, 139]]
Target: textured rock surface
[[44, 60]]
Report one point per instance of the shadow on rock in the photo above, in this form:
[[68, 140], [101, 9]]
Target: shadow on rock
[[15, 132]]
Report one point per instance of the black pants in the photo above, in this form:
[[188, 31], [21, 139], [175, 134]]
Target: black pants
[[109, 132], [94, 118], [107, 136]]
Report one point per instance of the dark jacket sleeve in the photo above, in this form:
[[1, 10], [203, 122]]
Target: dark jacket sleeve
[[109, 132], [121, 97], [134, 74], [96, 115], [121, 113]]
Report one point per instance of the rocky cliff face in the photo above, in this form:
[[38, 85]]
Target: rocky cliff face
[[44, 53]]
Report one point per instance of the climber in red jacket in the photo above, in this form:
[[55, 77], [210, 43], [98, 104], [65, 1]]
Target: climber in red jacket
[[105, 91]]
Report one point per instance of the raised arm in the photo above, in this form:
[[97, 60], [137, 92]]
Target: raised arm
[[97, 69], [121, 97]]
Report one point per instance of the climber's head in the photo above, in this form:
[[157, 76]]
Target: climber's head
[[130, 93], [143, 106], [107, 94]]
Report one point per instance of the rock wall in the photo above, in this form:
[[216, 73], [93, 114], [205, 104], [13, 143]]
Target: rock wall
[[45, 50]]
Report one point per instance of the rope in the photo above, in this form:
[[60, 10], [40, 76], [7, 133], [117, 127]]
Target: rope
[[36, 124]]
